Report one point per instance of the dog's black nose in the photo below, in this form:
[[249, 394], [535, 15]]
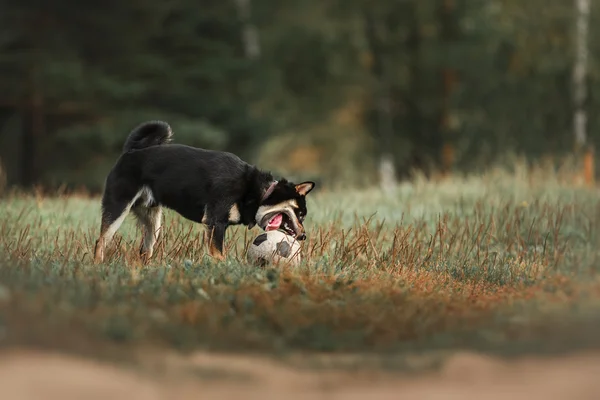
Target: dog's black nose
[[302, 237]]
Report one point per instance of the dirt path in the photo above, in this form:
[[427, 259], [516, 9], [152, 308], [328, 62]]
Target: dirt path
[[39, 376]]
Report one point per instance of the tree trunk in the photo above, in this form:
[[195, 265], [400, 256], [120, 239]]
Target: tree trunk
[[580, 73], [415, 116], [250, 37], [449, 33], [32, 130], [385, 128]]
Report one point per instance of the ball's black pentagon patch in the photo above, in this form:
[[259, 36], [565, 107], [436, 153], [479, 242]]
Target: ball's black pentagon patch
[[259, 239], [284, 249]]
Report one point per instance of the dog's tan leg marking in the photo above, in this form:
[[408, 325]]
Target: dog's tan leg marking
[[215, 253], [99, 249], [151, 222], [234, 214], [205, 215], [108, 230], [153, 232], [213, 250]]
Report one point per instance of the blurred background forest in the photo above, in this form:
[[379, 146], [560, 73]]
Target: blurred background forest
[[348, 92]]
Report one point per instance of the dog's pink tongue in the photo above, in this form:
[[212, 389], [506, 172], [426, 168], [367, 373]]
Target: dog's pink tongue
[[274, 223]]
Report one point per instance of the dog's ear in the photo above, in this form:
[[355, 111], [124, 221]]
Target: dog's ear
[[304, 188]]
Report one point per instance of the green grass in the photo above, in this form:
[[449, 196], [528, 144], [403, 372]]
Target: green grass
[[496, 263]]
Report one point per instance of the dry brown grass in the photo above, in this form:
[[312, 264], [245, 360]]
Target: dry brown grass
[[494, 262]]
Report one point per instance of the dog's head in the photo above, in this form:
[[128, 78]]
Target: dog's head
[[284, 207]]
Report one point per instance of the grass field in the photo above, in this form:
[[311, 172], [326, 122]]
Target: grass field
[[504, 263]]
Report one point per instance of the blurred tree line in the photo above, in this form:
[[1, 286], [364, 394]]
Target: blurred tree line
[[348, 91]]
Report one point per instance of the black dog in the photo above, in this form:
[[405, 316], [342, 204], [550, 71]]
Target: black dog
[[214, 188]]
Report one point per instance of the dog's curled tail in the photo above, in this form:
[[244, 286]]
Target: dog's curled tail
[[151, 133]]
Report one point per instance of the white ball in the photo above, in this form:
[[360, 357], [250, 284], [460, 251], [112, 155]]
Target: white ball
[[274, 247]]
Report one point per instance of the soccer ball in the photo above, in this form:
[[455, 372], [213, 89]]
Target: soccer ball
[[274, 247]]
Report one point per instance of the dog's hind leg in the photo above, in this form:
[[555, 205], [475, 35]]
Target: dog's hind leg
[[113, 215], [215, 238], [150, 218]]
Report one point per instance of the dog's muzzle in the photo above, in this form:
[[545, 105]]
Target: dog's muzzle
[[289, 223]]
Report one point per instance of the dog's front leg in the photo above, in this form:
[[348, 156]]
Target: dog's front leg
[[99, 251], [216, 237]]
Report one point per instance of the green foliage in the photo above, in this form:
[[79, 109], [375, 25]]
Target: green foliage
[[99, 71]]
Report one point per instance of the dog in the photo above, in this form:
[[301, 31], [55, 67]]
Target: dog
[[213, 188]]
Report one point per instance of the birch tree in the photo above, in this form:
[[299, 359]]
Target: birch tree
[[387, 173], [580, 72], [249, 30]]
